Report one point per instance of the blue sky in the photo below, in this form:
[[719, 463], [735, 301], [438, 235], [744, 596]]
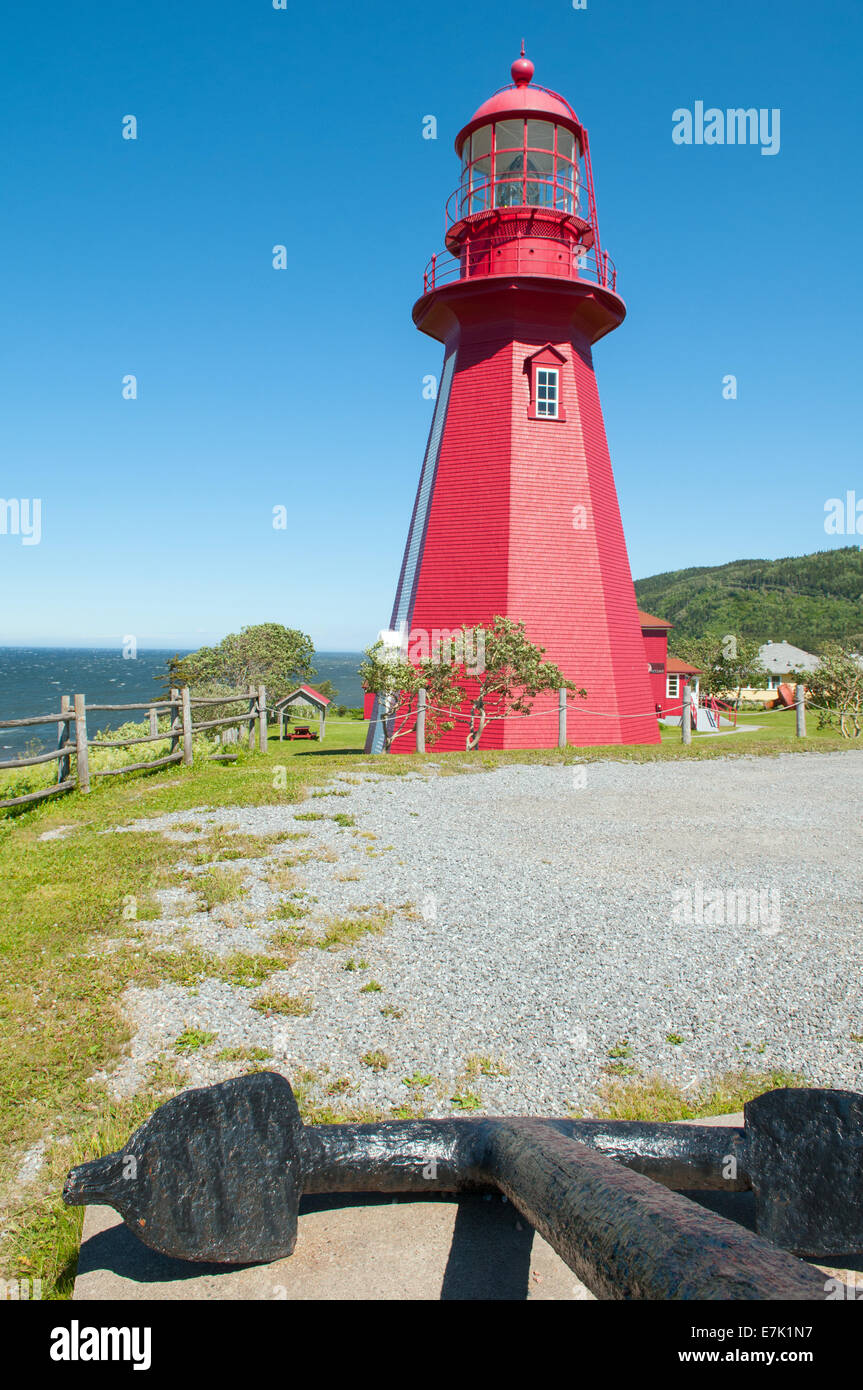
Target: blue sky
[[303, 387]]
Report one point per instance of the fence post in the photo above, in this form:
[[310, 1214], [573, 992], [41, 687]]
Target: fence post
[[82, 758], [421, 720], [187, 726], [64, 765], [281, 725], [800, 701], [561, 717], [686, 718], [262, 718], [253, 706], [175, 719], [154, 722]]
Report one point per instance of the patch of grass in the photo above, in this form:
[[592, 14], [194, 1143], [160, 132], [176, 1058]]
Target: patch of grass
[[466, 1100], [343, 819], [281, 879], [345, 931], [245, 970], [857, 1037], [654, 1098], [311, 815], [191, 1039], [289, 911], [408, 1111], [390, 1011], [377, 1060], [674, 1038], [418, 1080], [340, 1087], [373, 987], [621, 1049], [243, 1054], [479, 1064], [294, 1005], [219, 886], [355, 964]]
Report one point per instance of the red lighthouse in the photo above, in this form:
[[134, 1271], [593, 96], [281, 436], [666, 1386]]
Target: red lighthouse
[[516, 511]]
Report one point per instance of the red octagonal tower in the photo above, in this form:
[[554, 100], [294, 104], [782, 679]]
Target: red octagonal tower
[[516, 511]]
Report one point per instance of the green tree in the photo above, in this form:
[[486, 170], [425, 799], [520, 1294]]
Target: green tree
[[835, 687], [727, 664], [502, 673], [267, 654], [387, 673]]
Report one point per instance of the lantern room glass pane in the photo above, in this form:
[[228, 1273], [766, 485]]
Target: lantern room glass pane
[[480, 182], [565, 143], [565, 187], [509, 135], [540, 135], [480, 142]]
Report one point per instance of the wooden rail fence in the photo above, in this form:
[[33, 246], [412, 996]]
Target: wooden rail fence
[[180, 710]]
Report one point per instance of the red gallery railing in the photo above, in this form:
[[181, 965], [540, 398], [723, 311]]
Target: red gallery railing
[[483, 256]]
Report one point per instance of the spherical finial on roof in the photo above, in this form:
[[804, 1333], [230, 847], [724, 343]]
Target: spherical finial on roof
[[522, 69]]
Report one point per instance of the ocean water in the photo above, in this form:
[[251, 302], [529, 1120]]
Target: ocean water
[[32, 680]]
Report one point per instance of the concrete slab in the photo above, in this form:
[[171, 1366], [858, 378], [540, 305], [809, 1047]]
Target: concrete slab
[[352, 1248]]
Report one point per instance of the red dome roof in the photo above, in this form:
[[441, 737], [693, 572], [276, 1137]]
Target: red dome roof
[[521, 99]]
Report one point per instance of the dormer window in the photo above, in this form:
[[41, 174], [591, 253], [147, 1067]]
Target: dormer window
[[547, 391], [544, 372]]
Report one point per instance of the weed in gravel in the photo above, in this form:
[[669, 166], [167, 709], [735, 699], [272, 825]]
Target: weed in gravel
[[674, 1038], [281, 879], [373, 987], [311, 815], [355, 964], [343, 819], [479, 1064], [340, 1087], [654, 1098], [289, 910], [243, 1054], [344, 931], [192, 1038], [217, 887], [295, 1005], [376, 1061], [418, 1080], [466, 1100], [390, 1011]]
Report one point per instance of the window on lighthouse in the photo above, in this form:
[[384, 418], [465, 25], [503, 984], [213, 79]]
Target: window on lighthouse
[[547, 393]]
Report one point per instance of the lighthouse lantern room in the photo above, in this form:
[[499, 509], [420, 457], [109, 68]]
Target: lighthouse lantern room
[[516, 511]]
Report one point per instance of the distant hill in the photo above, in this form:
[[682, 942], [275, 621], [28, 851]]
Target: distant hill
[[804, 599]]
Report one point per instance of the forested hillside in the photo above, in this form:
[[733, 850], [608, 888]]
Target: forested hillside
[[804, 599]]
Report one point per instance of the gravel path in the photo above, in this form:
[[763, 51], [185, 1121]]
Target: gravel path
[[559, 914]]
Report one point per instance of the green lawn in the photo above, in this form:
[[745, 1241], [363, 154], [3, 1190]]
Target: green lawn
[[61, 908]]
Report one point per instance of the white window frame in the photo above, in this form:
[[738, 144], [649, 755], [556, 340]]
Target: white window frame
[[675, 693], [542, 411]]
